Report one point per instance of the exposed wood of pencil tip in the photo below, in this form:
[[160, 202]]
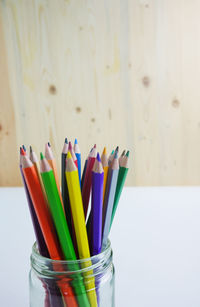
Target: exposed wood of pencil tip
[[70, 165], [26, 162], [48, 152], [44, 165]]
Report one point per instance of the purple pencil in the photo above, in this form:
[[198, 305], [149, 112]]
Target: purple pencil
[[97, 206]]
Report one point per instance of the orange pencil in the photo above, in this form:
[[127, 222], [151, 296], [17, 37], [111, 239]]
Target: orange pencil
[[52, 162], [45, 222], [34, 160]]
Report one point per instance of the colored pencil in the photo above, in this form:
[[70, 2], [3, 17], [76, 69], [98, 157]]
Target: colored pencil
[[84, 170], [109, 197], [34, 160], [88, 180], [73, 154], [97, 205], [61, 224], [104, 160], [64, 189], [78, 157], [52, 162], [111, 157], [79, 223], [123, 170], [122, 155], [40, 207], [36, 226], [50, 298]]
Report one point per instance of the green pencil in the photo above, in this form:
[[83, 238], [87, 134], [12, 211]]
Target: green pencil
[[123, 170], [61, 226]]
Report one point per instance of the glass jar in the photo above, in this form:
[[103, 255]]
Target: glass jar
[[52, 284]]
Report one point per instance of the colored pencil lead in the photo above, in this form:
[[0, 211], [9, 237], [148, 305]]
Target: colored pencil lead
[[104, 151], [66, 140], [127, 154], [24, 148], [31, 150], [69, 156], [41, 156], [75, 142], [117, 149], [112, 152], [95, 146], [98, 157], [49, 144]]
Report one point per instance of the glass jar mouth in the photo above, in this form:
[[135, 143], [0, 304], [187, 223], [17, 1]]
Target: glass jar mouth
[[95, 263]]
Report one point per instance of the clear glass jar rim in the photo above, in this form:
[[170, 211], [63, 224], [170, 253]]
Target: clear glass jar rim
[[38, 261]]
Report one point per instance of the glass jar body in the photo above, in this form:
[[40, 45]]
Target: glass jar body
[[55, 283]]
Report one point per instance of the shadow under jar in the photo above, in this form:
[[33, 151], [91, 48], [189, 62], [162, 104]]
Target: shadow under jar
[[50, 280]]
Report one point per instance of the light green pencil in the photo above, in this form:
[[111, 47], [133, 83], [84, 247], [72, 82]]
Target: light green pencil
[[61, 226]]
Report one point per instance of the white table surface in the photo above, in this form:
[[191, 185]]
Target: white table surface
[[155, 239]]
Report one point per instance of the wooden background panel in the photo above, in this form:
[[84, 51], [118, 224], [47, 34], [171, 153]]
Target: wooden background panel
[[107, 72]]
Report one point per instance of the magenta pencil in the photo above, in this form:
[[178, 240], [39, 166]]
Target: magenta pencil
[[88, 180], [97, 206], [84, 170]]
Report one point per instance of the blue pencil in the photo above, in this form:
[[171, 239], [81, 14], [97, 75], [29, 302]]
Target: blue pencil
[[78, 157]]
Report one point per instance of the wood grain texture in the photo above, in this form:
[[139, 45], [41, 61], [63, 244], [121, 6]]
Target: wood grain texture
[[107, 72]]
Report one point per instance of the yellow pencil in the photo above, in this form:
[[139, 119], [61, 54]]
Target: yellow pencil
[[79, 224], [52, 162], [104, 160]]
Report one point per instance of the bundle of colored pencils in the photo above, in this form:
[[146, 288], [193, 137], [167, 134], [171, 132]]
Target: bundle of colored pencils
[[67, 226]]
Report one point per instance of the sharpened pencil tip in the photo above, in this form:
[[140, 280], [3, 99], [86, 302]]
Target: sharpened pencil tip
[[117, 149], [49, 144], [127, 154], [98, 157], [75, 142], [66, 140], [70, 145], [41, 156], [123, 153], [24, 148], [112, 152], [31, 150], [104, 151], [95, 146], [69, 156], [116, 155], [22, 151]]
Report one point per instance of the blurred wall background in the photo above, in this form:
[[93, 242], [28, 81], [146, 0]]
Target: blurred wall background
[[111, 72]]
